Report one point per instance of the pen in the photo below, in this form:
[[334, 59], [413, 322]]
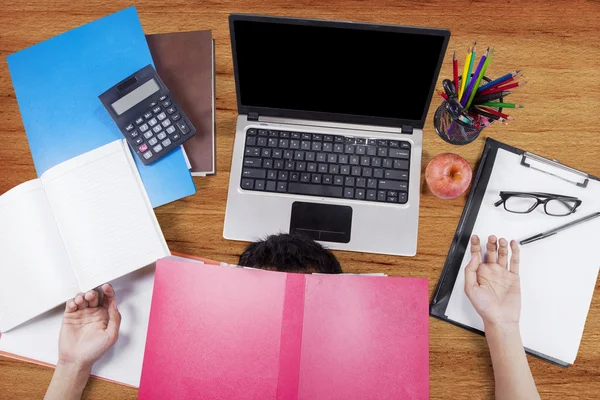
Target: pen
[[554, 231], [490, 97]]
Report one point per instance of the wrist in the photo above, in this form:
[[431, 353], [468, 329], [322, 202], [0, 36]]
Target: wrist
[[73, 368], [501, 327], [503, 334], [69, 380]]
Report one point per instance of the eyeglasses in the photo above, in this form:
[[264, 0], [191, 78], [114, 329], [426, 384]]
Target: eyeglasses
[[554, 204]]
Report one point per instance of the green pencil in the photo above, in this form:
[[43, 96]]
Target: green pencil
[[468, 78], [480, 77], [502, 105]]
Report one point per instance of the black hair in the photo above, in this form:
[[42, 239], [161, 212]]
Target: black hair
[[290, 253]]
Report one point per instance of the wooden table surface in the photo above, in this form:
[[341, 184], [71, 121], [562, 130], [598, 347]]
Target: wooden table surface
[[556, 44]]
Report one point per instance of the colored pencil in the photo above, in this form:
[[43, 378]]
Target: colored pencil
[[444, 95], [501, 84], [493, 112], [470, 71], [490, 116], [501, 88], [455, 71], [464, 75], [490, 97], [499, 81], [472, 82], [500, 105], [480, 74], [485, 120]]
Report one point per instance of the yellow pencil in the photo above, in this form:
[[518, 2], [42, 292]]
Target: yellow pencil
[[465, 72]]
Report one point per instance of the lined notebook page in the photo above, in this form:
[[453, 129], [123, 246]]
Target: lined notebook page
[[558, 274], [35, 272], [104, 215]]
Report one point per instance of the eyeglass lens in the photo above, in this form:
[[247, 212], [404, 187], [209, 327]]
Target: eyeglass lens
[[525, 204]]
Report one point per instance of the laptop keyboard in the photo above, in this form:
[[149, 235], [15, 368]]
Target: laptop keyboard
[[326, 165]]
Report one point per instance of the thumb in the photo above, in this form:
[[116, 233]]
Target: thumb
[[114, 322], [471, 274]]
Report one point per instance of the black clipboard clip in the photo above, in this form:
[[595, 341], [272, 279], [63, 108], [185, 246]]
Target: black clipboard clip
[[556, 164]]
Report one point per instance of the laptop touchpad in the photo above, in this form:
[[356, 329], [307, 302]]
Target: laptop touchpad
[[324, 222]]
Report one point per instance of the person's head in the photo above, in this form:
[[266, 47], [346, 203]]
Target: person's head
[[290, 253]]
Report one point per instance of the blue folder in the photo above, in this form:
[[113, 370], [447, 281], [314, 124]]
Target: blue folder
[[57, 83]]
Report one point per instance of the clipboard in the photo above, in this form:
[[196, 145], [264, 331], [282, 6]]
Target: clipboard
[[460, 242]]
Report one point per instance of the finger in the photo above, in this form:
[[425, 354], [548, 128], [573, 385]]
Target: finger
[[492, 248], [471, 268], [92, 298], [80, 301], [515, 258], [70, 306], [108, 293], [114, 322], [476, 248], [503, 253]]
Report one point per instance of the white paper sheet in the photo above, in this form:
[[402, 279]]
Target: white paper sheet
[[558, 274], [37, 339], [104, 216], [35, 272]]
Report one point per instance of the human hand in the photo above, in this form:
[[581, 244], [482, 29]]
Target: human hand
[[90, 327], [493, 289]]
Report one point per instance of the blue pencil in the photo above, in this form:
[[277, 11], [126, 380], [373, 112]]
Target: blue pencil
[[498, 81]]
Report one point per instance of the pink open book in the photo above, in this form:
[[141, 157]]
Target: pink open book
[[220, 332]]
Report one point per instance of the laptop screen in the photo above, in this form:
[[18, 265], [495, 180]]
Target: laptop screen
[[337, 69]]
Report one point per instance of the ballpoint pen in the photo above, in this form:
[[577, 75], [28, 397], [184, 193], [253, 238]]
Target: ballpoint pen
[[554, 231]]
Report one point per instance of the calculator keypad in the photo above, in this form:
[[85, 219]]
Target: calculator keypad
[[157, 130]]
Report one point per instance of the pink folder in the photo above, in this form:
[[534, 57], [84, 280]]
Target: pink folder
[[231, 333]]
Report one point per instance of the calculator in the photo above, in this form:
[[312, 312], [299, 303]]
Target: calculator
[[147, 115]]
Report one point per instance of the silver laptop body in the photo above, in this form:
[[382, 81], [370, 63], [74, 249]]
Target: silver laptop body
[[280, 199]]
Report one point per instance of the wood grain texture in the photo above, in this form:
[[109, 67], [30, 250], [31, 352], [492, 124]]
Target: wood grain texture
[[555, 43]]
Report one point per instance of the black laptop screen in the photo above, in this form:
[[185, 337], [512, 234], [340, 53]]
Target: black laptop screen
[[337, 70]]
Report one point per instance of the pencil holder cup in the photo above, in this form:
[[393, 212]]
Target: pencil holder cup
[[452, 128]]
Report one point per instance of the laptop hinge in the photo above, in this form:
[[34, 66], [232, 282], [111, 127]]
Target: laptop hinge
[[407, 129], [252, 116]]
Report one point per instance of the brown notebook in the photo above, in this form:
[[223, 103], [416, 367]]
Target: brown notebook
[[185, 63]]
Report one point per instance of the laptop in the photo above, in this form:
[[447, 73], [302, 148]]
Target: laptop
[[329, 131]]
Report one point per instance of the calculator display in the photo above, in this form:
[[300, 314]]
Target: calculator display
[[134, 97]]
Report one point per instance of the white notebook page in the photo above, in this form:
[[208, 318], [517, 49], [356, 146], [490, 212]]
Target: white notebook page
[[558, 274], [35, 272], [104, 215], [37, 339]]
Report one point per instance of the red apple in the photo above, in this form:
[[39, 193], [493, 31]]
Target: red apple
[[448, 175]]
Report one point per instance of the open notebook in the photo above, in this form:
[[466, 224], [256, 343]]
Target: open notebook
[[84, 222], [36, 340], [558, 274]]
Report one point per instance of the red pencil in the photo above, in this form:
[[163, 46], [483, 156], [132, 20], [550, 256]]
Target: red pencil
[[501, 88], [493, 112], [455, 70], [444, 95]]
